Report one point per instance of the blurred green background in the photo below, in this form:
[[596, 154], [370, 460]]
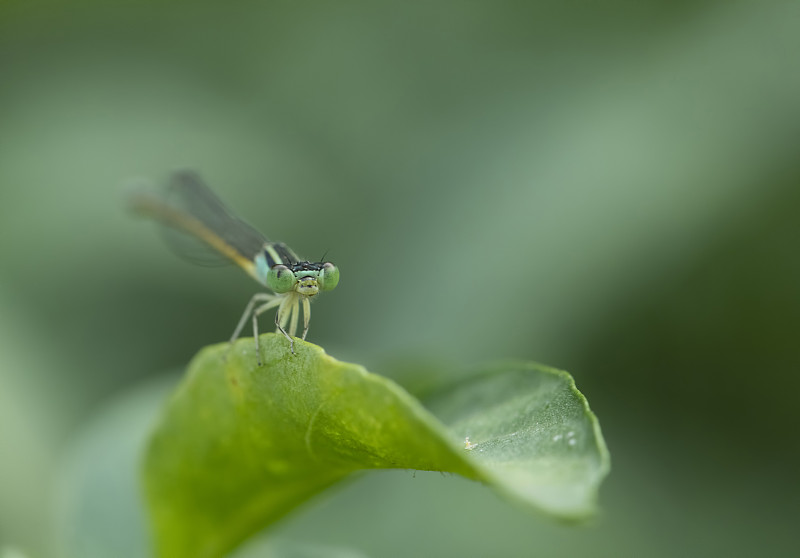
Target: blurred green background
[[609, 188]]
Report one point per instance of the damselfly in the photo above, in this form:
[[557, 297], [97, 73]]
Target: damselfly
[[192, 208]]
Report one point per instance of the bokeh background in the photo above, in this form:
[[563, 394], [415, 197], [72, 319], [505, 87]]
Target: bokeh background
[[611, 188]]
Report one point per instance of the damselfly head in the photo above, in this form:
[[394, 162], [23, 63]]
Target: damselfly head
[[305, 278]]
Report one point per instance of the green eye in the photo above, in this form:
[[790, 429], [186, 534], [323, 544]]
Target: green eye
[[280, 279], [329, 277]]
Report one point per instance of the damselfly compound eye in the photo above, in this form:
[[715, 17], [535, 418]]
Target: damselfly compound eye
[[280, 279], [329, 277]]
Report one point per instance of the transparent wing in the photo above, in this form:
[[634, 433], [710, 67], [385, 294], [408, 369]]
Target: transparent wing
[[198, 226], [187, 190]]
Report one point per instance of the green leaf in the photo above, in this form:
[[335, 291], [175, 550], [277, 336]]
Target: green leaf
[[532, 435], [240, 445]]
